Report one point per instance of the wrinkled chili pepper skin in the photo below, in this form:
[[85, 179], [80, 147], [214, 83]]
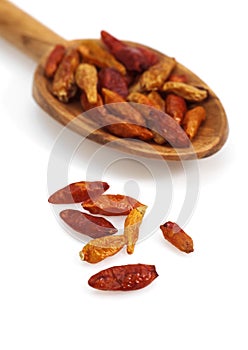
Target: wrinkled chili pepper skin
[[176, 236], [64, 85], [54, 60], [78, 192], [132, 225], [124, 278], [111, 205], [92, 226], [134, 58], [101, 248]]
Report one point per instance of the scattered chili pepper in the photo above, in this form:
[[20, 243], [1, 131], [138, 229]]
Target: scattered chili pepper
[[112, 79], [54, 60], [132, 225], [78, 192], [124, 277], [193, 119], [101, 248], [134, 58], [176, 107], [92, 226], [64, 86], [111, 205], [176, 236]]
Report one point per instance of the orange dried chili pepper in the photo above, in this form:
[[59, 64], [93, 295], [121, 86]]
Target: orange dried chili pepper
[[178, 77], [127, 130], [124, 277], [193, 119], [93, 53], [111, 205], [101, 248], [54, 59], [86, 79], [176, 107], [115, 125], [176, 236], [78, 192], [64, 86], [132, 225], [134, 58], [92, 226]]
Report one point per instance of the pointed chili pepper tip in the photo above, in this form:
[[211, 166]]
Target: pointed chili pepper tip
[[81, 254]]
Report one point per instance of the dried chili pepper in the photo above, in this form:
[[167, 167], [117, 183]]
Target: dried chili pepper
[[154, 77], [64, 86], [140, 98], [112, 79], [134, 58], [176, 236], [176, 107], [132, 225], [127, 130], [189, 92], [86, 79], [92, 226], [93, 53], [118, 106], [86, 105], [114, 124], [182, 78], [162, 124], [193, 119], [124, 277], [101, 248], [111, 205], [157, 100], [78, 192], [54, 60]]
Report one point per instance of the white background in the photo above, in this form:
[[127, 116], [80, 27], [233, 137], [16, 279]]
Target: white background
[[199, 301]]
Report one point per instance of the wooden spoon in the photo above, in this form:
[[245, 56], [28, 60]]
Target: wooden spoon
[[36, 40]]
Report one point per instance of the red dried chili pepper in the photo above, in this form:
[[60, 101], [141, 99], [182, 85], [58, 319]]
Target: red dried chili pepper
[[92, 226], [113, 80], [176, 107], [124, 278], [176, 236], [78, 192], [54, 60], [134, 58], [111, 205]]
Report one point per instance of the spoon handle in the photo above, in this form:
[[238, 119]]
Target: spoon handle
[[27, 34]]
